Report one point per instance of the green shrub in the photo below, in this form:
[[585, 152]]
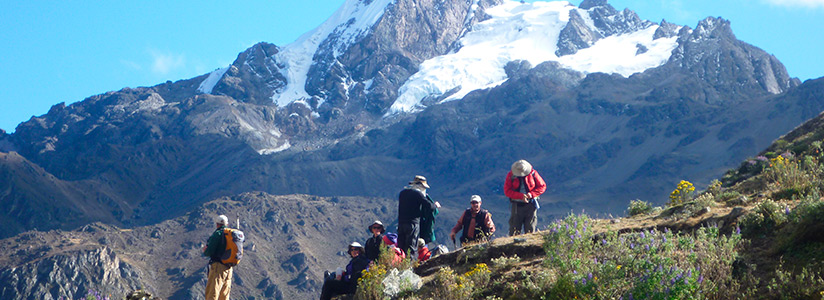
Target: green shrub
[[638, 207], [643, 265], [764, 219], [504, 262], [731, 198]]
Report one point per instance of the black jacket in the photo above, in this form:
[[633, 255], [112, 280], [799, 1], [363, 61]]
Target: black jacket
[[355, 268], [410, 206], [373, 247]]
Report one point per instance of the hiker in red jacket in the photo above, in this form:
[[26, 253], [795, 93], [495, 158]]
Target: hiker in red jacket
[[523, 186], [476, 223]]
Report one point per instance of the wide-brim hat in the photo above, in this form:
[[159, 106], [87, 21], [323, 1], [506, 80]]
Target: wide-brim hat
[[420, 180], [521, 168], [377, 222], [355, 245]]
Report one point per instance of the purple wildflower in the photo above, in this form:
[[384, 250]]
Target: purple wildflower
[[761, 158], [700, 279], [575, 281], [589, 276], [632, 245], [584, 281], [686, 280], [643, 235], [737, 230], [646, 247], [603, 242], [665, 239], [574, 272], [787, 210], [751, 162]]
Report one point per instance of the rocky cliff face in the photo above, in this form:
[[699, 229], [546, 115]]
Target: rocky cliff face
[[70, 274]]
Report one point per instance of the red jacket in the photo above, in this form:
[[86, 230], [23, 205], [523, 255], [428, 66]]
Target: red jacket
[[534, 183]]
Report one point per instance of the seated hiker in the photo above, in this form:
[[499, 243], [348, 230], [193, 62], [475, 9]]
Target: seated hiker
[[390, 240], [349, 278], [476, 223], [373, 244], [423, 251]]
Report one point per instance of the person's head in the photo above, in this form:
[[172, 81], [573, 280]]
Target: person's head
[[221, 221], [421, 243], [420, 182], [377, 228], [387, 241], [355, 249], [521, 168], [475, 203]]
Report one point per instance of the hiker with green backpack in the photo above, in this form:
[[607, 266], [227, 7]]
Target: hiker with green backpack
[[224, 249]]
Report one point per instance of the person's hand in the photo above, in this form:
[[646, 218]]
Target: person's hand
[[452, 236], [437, 204], [526, 198]]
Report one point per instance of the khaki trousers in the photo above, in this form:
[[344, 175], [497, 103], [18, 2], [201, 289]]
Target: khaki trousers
[[220, 282]]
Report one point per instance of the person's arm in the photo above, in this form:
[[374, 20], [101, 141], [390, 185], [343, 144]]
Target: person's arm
[[489, 223], [211, 245], [457, 227], [509, 191], [540, 185]]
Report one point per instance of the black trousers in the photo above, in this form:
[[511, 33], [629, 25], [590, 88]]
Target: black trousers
[[333, 288], [408, 238]]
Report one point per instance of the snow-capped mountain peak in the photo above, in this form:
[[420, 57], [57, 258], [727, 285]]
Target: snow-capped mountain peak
[[531, 32], [349, 23]]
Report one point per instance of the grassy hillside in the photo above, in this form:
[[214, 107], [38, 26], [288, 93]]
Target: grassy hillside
[[758, 233]]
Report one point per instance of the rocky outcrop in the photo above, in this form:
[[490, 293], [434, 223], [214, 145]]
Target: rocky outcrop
[[576, 35], [608, 21], [253, 77], [738, 69], [70, 275]]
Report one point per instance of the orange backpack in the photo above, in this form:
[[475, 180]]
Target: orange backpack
[[234, 246]]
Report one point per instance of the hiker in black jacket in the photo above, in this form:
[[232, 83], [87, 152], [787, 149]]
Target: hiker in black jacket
[[373, 244], [411, 203], [348, 282]]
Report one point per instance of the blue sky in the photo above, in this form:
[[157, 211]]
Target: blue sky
[[65, 51]]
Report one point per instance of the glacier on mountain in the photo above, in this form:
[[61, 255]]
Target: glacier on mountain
[[526, 31], [209, 83]]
